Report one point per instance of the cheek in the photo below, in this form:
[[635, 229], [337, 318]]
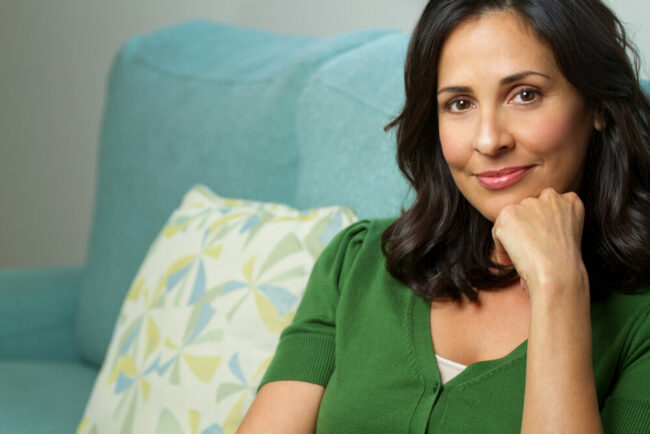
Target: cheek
[[561, 142], [553, 133], [456, 148], [556, 131]]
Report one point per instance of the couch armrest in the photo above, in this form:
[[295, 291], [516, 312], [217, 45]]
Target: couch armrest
[[38, 309]]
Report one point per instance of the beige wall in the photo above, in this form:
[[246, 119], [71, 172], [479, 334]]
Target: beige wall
[[54, 57], [635, 15]]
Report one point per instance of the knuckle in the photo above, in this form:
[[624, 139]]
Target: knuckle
[[507, 211], [572, 196], [548, 192], [496, 227], [528, 200], [575, 201]]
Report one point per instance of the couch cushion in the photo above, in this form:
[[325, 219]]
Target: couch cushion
[[203, 316], [37, 313], [43, 397], [196, 103], [346, 157]]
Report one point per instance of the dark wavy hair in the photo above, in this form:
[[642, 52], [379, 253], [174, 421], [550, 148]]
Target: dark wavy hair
[[441, 246]]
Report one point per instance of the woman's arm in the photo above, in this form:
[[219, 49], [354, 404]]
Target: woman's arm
[[560, 393], [284, 407], [542, 237]]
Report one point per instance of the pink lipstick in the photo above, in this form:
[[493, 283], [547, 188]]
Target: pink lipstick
[[498, 179]]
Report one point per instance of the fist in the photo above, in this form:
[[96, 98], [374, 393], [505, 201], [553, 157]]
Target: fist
[[541, 238]]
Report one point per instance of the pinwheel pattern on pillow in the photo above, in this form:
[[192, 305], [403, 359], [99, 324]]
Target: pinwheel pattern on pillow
[[201, 320]]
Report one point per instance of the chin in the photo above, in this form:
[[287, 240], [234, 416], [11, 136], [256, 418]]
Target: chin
[[492, 207], [490, 215]]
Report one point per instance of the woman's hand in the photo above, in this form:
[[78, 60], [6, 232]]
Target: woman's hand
[[541, 237]]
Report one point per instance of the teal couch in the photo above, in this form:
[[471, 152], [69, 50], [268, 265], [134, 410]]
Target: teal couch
[[247, 113]]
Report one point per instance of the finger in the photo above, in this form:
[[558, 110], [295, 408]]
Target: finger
[[500, 253], [549, 192], [578, 209], [524, 285]]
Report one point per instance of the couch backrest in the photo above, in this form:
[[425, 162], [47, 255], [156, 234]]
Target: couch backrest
[[249, 114]]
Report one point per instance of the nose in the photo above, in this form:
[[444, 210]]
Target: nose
[[493, 137]]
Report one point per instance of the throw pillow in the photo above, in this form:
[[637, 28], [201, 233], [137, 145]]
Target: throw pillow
[[201, 320]]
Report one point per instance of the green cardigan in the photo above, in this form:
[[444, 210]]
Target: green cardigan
[[366, 337]]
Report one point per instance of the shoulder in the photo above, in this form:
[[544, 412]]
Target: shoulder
[[366, 230], [362, 235], [621, 351], [358, 245], [622, 318], [621, 308]]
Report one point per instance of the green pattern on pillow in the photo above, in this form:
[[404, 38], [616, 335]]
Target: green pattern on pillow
[[202, 318]]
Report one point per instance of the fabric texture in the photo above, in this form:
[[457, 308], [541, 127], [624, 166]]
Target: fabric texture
[[374, 334], [202, 318]]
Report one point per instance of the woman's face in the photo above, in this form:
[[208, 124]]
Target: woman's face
[[510, 124]]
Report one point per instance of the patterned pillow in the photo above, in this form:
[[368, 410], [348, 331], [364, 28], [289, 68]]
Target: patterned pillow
[[202, 318]]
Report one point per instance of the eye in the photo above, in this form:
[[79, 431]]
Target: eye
[[525, 96], [458, 105]]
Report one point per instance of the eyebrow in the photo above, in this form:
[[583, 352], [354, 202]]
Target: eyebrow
[[504, 82]]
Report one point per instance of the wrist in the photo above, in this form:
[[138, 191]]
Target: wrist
[[567, 283], [561, 311]]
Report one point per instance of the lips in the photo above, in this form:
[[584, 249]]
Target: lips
[[502, 178]]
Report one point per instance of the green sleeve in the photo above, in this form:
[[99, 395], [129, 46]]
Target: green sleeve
[[306, 348], [627, 408]]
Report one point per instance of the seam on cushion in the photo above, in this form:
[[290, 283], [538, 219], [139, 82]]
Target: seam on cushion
[[163, 70], [40, 328], [143, 61], [386, 36], [320, 79], [354, 96]]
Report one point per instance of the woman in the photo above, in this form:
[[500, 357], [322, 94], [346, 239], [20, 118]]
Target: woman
[[525, 136]]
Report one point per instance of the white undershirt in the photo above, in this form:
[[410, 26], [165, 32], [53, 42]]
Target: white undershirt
[[448, 368]]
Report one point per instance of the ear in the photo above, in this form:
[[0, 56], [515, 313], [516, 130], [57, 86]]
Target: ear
[[598, 120]]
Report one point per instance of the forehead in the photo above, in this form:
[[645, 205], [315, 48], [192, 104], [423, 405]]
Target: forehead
[[492, 45]]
